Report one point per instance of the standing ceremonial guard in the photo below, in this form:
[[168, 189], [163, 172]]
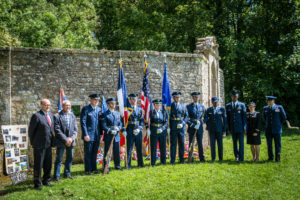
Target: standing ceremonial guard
[[274, 116], [158, 131], [215, 117], [253, 130], [134, 131], [90, 130], [111, 122], [178, 119], [237, 124], [40, 132], [196, 114]]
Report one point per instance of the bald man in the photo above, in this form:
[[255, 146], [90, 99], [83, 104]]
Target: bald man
[[41, 128]]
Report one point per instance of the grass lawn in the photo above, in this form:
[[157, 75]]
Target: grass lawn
[[227, 180]]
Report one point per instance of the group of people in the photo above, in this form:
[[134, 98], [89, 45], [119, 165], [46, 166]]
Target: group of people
[[162, 124]]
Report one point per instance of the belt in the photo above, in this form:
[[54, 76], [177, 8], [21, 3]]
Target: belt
[[194, 120], [133, 122], [156, 125], [176, 118]]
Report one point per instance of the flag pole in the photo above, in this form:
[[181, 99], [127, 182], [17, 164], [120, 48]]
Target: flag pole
[[148, 122], [165, 61]]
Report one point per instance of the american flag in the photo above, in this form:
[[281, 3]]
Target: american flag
[[146, 101]]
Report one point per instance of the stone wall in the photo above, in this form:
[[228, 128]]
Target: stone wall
[[40, 73]]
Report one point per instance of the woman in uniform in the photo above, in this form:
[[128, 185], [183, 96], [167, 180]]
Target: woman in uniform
[[253, 130]]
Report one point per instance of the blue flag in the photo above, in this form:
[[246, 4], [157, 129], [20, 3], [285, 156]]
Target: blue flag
[[104, 106], [166, 91]]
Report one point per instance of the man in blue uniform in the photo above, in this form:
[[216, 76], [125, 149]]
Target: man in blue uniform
[[134, 131], [111, 122], [237, 124], [274, 116], [215, 117], [196, 115], [158, 131], [90, 126], [178, 119]]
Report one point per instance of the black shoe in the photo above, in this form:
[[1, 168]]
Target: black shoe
[[270, 159], [69, 177], [96, 172], [47, 184], [202, 160], [38, 187], [182, 162], [142, 166], [172, 163], [88, 173], [237, 159], [119, 168], [56, 180], [277, 158], [152, 165]]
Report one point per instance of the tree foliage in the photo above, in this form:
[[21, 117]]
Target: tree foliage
[[259, 39]]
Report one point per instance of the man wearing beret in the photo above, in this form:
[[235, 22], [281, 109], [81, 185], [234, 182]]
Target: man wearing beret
[[111, 122], [196, 115], [90, 130], [237, 124], [274, 116], [178, 120], [215, 118], [134, 131]]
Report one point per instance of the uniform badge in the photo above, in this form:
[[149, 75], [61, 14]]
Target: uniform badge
[[220, 112], [277, 110]]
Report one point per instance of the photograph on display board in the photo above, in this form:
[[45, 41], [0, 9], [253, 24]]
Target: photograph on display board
[[23, 159], [23, 152], [24, 166], [9, 161], [10, 170], [17, 152], [15, 138], [7, 138], [23, 130], [5, 131], [24, 138], [22, 145], [7, 153], [13, 146], [7, 146]]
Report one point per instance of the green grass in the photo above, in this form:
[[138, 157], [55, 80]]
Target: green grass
[[227, 180]]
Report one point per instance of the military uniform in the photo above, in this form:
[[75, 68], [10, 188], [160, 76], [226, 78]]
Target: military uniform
[[215, 118], [112, 124], [135, 122], [237, 124], [196, 113], [158, 128], [178, 119], [274, 117], [90, 126]]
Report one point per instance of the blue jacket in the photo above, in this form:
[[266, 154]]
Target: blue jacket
[[89, 121], [216, 120], [161, 118], [274, 118], [179, 115], [135, 120], [236, 117], [108, 121], [196, 112]]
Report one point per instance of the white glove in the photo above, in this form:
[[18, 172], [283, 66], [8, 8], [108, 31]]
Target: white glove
[[198, 123], [159, 130], [148, 132], [197, 126], [124, 133], [179, 126], [113, 132], [168, 131], [136, 131], [116, 128]]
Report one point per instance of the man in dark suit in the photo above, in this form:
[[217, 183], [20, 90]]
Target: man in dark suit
[[274, 116], [90, 130], [215, 118], [178, 120], [134, 131], [237, 124], [65, 128], [41, 134]]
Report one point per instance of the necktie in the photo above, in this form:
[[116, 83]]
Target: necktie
[[48, 119]]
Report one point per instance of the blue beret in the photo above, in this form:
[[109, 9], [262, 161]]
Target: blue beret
[[235, 92], [111, 100], [133, 95], [214, 99]]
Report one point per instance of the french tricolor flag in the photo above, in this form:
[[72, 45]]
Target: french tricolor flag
[[61, 99]]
